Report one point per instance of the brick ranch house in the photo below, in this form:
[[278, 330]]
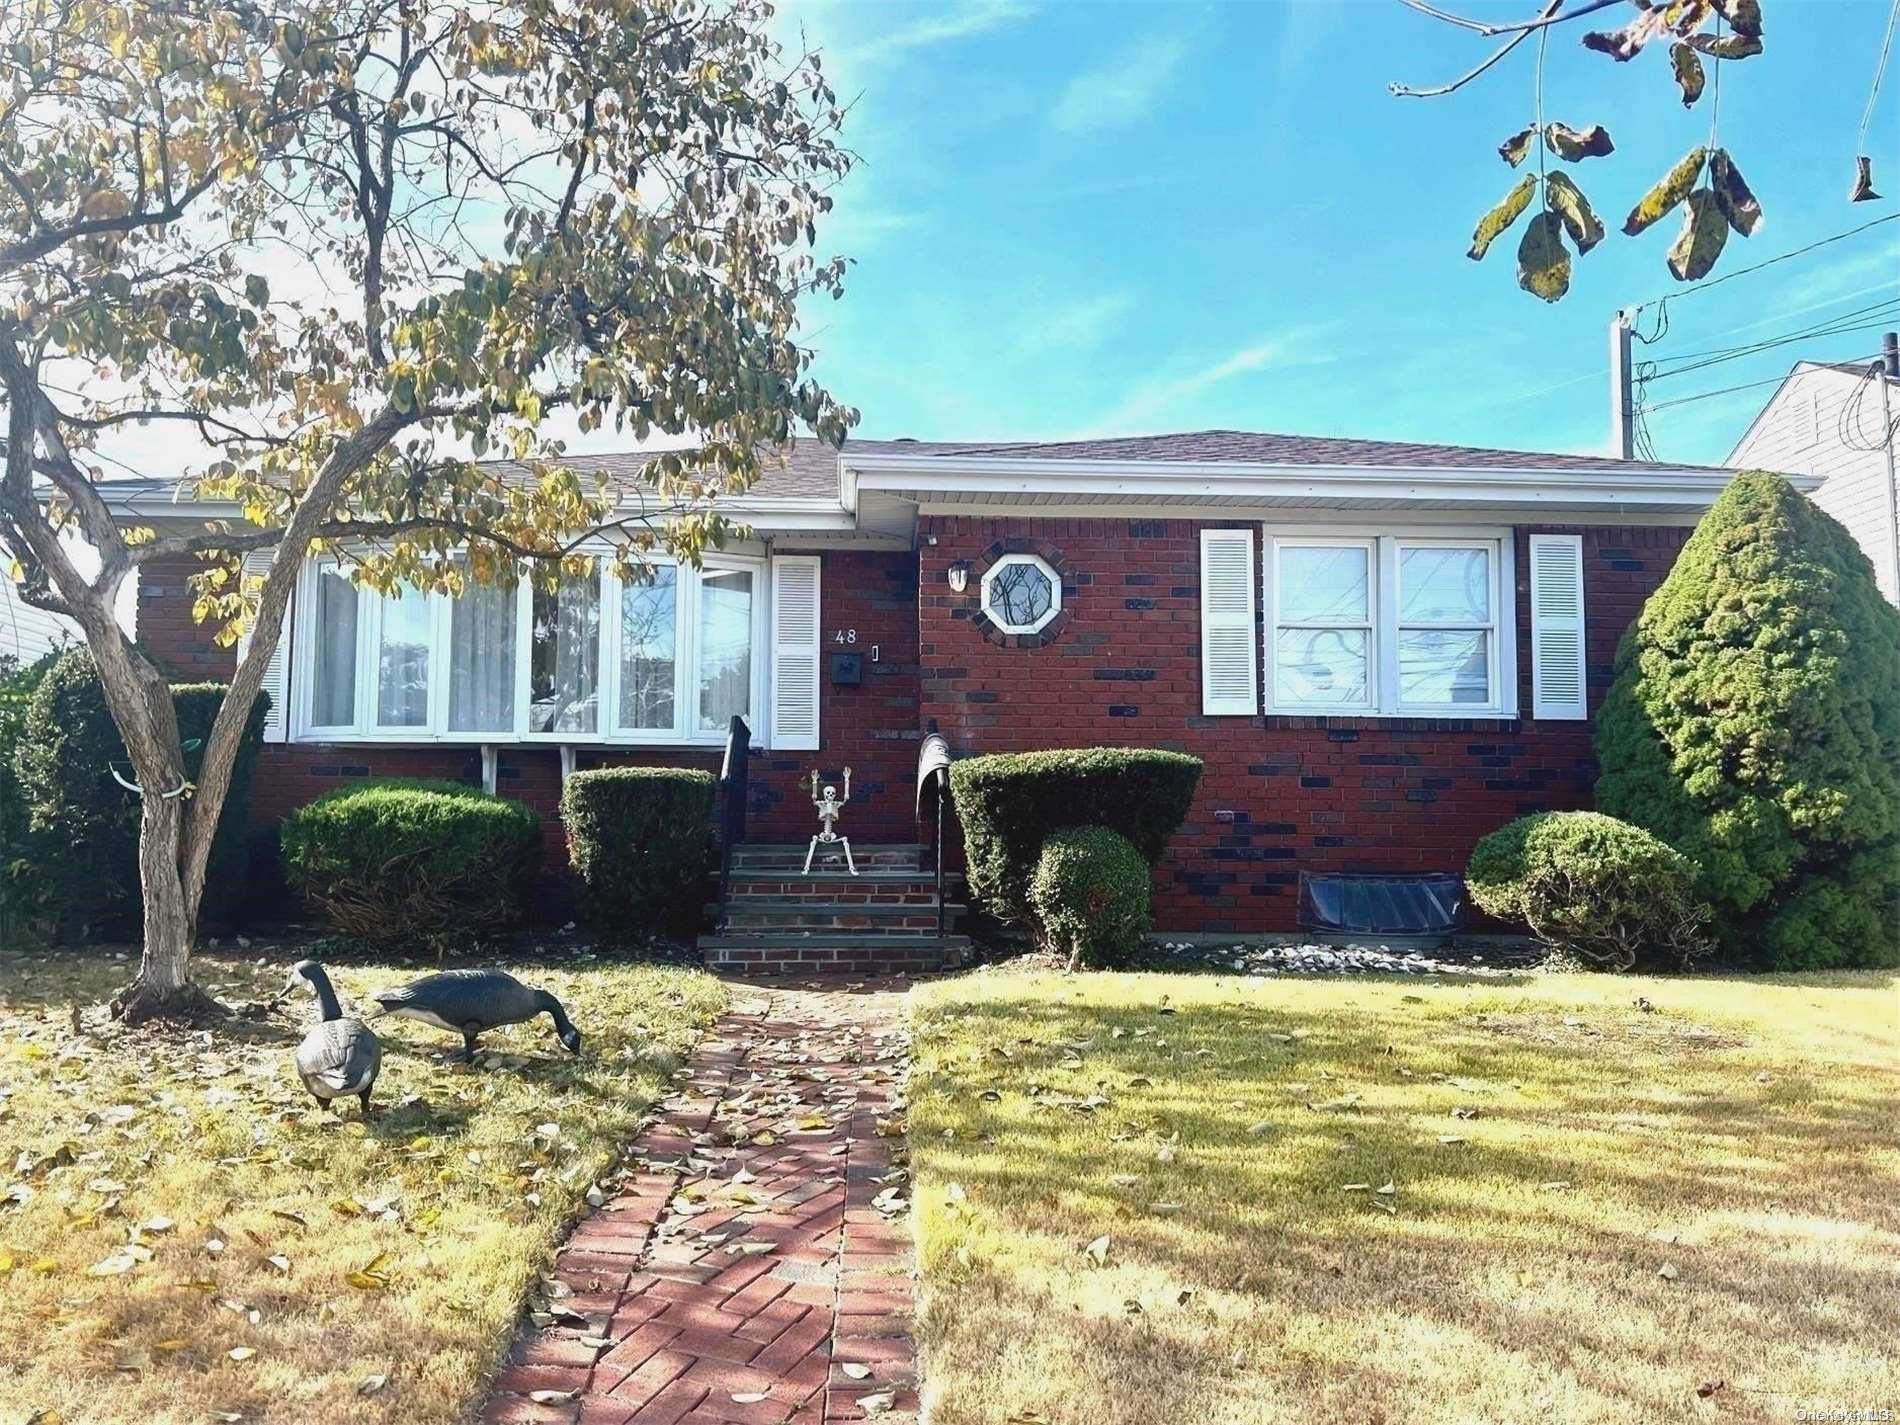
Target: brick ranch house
[[1381, 651]]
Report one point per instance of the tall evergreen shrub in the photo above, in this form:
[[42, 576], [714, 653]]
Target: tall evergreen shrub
[[85, 825], [1754, 724]]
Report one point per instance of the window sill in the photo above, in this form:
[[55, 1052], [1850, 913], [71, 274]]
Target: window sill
[[1392, 722], [550, 740]]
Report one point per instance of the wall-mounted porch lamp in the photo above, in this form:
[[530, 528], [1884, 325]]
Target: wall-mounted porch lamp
[[959, 576]]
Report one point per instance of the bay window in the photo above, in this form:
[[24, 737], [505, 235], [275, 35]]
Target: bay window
[[668, 659], [1388, 624], [725, 646], [564, 657], [649, 652], [402, 659]]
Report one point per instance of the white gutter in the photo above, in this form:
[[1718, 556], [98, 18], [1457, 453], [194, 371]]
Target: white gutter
[[910, 475]]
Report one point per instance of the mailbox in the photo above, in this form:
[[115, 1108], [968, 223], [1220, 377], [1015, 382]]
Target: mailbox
[[847, 670]]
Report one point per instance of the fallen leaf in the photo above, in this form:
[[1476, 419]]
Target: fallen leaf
[[369, 1385], [1668, 1271], [855, 1370], [750, 1397], [552, 1397], [1097, 1251], [241, 1353]]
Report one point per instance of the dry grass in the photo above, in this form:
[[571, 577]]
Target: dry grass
[[1741, 1132], [453, 1197]]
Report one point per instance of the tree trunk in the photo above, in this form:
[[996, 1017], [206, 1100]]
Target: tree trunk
[[163, 986]]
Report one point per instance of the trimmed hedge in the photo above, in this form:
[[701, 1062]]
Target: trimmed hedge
[[641, 841], [1010, 803], [1090, 894], [1754, 724], [408, 863], [25, 896], [1606, 892], [85, 826]]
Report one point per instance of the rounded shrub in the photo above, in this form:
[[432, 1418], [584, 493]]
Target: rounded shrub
[[85, 826], [414, 863], [1010, 803], [641, 841], [1600, 890], [1089, 893], [1754, 724]]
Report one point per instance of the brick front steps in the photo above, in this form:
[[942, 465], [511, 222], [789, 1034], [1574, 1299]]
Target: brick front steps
[[777, 920], [764, 1247]]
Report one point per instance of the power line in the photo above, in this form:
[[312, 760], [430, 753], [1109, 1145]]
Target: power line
[[1869, 319], [1770, 262], [1744, 386], [1880, 73]]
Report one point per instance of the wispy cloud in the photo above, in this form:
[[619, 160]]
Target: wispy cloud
[[1079, 325], [938, 26], [1163, 399], [1121, 91]]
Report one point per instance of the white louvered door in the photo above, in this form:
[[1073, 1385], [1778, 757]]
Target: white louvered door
[[796, 655], [1228, 682], [1559, 683]]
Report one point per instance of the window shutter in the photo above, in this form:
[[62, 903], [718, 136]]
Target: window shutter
[[1559, 685], [1227, 626], [795, 653], [277, 672]]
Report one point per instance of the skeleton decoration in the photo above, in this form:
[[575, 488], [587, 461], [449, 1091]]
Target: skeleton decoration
[[830, 807]]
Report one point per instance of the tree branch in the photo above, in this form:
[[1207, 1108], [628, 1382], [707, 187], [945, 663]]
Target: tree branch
[[1405, 91], [1481, 27]]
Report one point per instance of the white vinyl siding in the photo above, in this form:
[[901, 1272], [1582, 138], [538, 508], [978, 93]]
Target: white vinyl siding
[[795, 651], [1825, 421], [1228, 686], [1559, 672], [595, 662], [1389, 622]]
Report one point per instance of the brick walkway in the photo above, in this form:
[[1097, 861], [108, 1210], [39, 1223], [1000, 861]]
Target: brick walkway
[[753, 1267]]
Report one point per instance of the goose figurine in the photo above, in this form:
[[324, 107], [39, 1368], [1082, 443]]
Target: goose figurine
[[471, 1002], [340, 1056]]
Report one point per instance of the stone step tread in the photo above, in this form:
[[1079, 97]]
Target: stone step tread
[[793, 905], [877, 876], [794, 940], [857, 847]]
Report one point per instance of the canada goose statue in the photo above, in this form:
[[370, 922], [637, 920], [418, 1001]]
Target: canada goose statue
[[340, 1056], [471, 1002]]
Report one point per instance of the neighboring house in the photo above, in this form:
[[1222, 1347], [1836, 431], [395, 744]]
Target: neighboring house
[[27, 632], [1835, 421], [1382, 651]]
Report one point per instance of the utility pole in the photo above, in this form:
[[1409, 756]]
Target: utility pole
[[1622, 401]]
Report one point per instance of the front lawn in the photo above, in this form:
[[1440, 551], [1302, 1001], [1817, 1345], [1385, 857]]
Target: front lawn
[[1155, 1199], [189, 1238]]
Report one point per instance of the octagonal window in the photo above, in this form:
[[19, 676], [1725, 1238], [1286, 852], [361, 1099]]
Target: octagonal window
[[1021, 594]]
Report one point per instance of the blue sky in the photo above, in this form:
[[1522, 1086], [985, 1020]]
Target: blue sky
[[1081, 218]]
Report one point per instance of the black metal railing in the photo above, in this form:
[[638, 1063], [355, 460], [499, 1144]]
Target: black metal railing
[[733, 774], [933, 777]]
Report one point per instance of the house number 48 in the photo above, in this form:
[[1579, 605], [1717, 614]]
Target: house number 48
[[845, 635]]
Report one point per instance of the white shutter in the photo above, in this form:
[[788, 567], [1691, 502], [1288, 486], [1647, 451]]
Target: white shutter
[[277, 672], [1227, 627], [795, 651], [1559, 685]]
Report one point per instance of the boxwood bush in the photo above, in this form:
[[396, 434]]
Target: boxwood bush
[[1599, 890], [1010, 803], [84, 826], [1090, 895], [1754, 724], [641, 841], [414, 863]]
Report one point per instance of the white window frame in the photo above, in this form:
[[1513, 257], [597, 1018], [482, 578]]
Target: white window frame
[[683, 733], [1275, 543], [1009, 561], [1386, 543]]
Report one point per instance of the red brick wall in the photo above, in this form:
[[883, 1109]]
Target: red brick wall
[[872, 727], [163, 624], [1280, 794]]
